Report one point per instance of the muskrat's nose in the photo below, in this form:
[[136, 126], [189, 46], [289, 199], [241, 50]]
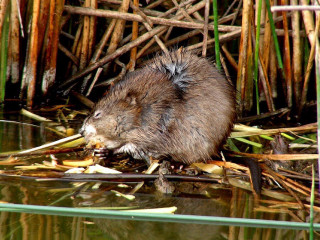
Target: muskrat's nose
[[87, 130]]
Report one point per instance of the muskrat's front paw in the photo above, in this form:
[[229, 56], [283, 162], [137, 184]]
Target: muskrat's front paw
[[101, 153]]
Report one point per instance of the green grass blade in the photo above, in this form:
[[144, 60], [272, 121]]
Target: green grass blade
[[256, 56], [258, 145], [3, 57], [312, 203], [232, 146], [138, 216], [317, 64], [216, 34], [275, 39]]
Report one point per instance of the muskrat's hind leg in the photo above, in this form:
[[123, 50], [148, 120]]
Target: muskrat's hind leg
[[161, 183]]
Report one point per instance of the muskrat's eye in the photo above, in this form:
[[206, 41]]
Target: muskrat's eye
[[97, 114]]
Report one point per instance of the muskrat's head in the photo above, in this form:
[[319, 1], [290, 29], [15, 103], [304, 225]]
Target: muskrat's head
[[114, 120]]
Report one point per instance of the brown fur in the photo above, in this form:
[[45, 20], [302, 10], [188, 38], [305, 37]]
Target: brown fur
[[178, 106]]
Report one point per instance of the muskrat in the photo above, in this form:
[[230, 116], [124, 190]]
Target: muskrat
[[177, 107]]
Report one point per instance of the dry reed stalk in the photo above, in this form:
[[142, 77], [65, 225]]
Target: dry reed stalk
[[205, 28], [279, 157], [226, 18], [228, 37], [306, 190], [119, 28], [8, 51], [127, 47], [174, 41], [287, 57], [181, 10], [88, 40], [77, 38], [188, 17], [156, 20], [95, 79], [128, 38], [244, 54], [148, 25], [174, 9], [51, 45], [228, 55], [266, 41], [150, 12], [15, 43], [286, 184], [288, 187], [308, 22], [155, 4], [78, 52], [103, 41], [30, 67], [150, 43], [168, 30], [44, 30], [276, 203], [264, 79], [222, 39], [308, 69], [44, 15], [263, 22], [198, 16], [76, 42], [312, 127], [296, 54], [92, 29], [238, 10], [21, 9], [135, 33], [266, 84], [84, 55], [225, 69], [68, 54], [273, 69], [229, 8]]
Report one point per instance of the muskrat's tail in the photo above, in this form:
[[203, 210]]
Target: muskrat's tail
[[255, 173], [253, 165]]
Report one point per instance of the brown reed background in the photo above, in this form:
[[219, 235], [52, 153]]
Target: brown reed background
[[79, 45]]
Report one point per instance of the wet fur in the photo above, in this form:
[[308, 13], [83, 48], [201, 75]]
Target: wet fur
[[177, 107]]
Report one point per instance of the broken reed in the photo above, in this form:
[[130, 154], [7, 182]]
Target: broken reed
[[265, 51]]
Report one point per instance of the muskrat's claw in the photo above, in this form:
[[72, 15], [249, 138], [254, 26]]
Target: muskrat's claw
[[101, 153]]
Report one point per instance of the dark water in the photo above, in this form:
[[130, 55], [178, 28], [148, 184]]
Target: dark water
[[190, 198]]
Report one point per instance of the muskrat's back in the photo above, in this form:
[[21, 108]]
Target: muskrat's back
[[177, 107]]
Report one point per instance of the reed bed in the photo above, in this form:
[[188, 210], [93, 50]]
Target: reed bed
[[70, 45]]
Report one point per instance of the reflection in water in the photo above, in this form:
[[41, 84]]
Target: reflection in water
[[222, 202], [191, 198], [19, 136], [34, 227], [194, 205]]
